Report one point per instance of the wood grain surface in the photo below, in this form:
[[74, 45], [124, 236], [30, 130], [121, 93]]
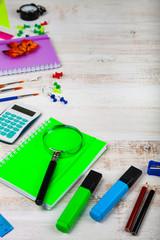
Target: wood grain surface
[[110, 56]]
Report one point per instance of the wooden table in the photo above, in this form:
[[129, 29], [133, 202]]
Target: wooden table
[[109, 53]]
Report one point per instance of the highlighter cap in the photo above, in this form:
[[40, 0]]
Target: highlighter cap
[[92, 180], [131, 176]]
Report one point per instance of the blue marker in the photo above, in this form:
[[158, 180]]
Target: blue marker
[[115, 193]]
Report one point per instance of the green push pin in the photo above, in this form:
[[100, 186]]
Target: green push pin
[[27, 26], [37, 26], [19, 33], [57, 86], [35, 31]]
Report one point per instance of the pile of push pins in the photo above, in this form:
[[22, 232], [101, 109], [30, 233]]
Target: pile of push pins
[[21, 28], [57, 90], [38, 29]]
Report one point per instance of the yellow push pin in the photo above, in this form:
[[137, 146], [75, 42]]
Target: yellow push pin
[[55, 90], [20, 27]]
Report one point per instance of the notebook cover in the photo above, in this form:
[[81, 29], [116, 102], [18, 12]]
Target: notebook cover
[[24, 169], [44, 57]]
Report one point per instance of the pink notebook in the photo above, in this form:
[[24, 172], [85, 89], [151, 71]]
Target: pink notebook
[[44, 57]]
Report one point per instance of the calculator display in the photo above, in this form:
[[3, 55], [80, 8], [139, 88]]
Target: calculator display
[[23, 110]]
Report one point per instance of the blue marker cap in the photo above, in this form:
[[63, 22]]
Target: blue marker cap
[[131, 176]]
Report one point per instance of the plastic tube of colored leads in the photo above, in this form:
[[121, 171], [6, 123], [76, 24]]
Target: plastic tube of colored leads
[[136, 208], [143, 212], [115, 193], [78, 201]]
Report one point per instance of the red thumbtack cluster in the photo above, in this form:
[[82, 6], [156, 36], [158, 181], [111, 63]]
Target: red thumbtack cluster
[[57, 75]]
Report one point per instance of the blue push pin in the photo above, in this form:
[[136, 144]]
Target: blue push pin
[[63, 100], [53, 97], [54, 100]]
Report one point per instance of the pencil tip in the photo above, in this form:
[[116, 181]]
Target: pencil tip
[[127, 230]]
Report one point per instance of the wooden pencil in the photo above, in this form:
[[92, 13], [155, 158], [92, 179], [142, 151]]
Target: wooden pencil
[[136, 208], [143, 211]]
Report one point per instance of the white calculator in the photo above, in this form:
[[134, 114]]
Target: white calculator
[[15, 120]]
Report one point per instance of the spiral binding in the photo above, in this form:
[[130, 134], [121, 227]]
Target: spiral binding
[[29, 69], [25, 141]]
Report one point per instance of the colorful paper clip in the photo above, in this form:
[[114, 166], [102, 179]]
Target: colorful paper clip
[[153, 168]]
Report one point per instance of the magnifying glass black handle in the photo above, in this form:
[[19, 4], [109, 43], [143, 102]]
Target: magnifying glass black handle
[[45, 183]]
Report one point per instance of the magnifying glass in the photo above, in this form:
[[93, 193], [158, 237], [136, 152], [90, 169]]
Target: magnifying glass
[[31, 11], [61, 141]]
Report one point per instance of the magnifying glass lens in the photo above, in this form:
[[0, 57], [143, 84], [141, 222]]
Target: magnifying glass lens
[[63, 139], [29, 8]]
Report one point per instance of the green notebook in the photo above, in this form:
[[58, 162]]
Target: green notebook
[[23, 170]]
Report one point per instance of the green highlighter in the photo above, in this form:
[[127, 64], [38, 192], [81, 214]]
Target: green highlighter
[[78, 201]]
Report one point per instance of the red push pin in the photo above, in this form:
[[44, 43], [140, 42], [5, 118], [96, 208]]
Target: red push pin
[[59, 74], [55, 76], [45, 23]]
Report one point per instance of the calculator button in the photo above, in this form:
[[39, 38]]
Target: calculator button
[[13, 123], [4, 116], [22, 123], [10, 118], [10, 134], [13, 115], [10, 126], [7, 113], [6, 130], [3, 133], [2, 119], [24, 120], [15, 129], [19, 117], [7, 121], [15, 120], [4, 124], [19, 126], [1, 127]]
